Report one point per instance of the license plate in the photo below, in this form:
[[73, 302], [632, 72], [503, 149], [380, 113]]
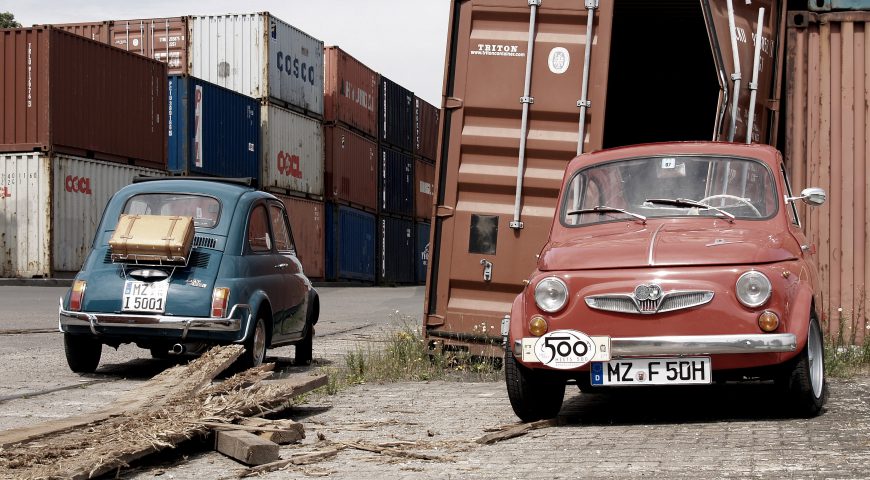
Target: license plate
[[144, 296], [652, 371]]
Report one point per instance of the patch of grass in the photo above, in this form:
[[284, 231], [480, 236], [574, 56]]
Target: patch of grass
[[844, 357], [402, 354]]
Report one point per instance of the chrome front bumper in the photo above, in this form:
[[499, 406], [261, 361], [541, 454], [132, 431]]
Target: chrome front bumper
[[696, 345], [232, 323]]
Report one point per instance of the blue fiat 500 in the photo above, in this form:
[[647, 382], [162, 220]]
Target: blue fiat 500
[[241, 282]]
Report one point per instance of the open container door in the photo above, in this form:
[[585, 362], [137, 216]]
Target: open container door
[[733, 114], [513, 97]]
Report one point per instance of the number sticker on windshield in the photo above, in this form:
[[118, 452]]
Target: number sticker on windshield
[[669, 162], [567, 349]]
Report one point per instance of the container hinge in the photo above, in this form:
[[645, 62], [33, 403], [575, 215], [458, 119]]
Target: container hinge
[[773, 105], [434, 320], [443, 211], [516, 225], [452, 103], [591, 4], [581, 103], [536, 3], [487, 269], [527, 99]]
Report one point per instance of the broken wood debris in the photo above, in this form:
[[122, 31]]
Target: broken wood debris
[[512, 431], [296, 460], [246, 447], [172, 407]]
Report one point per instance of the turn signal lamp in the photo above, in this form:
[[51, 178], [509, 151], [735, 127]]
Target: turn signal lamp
[[76, 295], [768, 321], [219, 299], [538, 326]]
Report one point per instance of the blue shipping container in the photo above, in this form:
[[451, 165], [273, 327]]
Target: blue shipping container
[[396, 251], [213, 131], [396, 183], [422, 259], [350, 244], [396, 115]]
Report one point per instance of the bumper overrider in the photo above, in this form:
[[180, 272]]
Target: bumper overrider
[[239, 315]]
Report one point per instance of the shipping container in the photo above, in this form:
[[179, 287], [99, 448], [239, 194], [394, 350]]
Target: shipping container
[[396, 115], [350, 168], [425, 129], [98, 31], [396, 251], [65, 93], [292, 152], [396, 183], [513, 118], [424, 187], [350, 244], [213, 131], [260, 56], [307, 221], [826, 145], [422, 253], [350, 93], [50, 206]]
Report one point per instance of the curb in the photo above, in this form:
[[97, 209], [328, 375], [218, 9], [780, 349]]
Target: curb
[[36, 282]]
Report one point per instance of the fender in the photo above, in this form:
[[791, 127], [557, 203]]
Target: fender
[[799, 318], [257, 299], [518, 315]]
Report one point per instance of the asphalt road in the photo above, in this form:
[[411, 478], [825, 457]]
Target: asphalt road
[[720, 431]]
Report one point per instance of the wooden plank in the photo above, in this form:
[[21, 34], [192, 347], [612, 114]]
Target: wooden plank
[[281, 432], [302, 459], [514, 431], [246, 447]]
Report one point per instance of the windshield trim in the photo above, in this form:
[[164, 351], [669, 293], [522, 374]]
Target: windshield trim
[[196, 194], [561, 213]]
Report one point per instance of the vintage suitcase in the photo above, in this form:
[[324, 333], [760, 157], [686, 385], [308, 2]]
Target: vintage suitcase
[[152, 238]]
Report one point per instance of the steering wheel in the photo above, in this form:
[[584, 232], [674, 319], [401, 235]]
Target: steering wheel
[[732, 197]]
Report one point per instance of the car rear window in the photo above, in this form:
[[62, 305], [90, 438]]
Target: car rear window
[[204, 210]]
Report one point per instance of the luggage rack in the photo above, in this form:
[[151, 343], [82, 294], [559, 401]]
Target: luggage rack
[[151, 260]]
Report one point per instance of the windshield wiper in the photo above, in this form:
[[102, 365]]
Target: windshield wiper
[[606, 209], [685, 202]]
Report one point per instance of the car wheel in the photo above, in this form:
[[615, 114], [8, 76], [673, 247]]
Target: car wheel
[[255, 347], [305, 348], [82, 352], [804, 379], [533, 395]]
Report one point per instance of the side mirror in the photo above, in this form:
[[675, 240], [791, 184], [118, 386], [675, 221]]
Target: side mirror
[[812, 196]]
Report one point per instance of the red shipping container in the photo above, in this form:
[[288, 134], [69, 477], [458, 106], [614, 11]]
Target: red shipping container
[[98, 31], [424, 188], [425, 129], [69, 94], [351, 168], [307, 221], [350, 92]]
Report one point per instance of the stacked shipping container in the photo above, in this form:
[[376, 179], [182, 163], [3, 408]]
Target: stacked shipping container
[[426, 118]]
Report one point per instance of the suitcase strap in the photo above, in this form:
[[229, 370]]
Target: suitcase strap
[[168, 237]]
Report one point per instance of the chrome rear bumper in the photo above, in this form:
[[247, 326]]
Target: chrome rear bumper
[[232, 323], [696, 345]]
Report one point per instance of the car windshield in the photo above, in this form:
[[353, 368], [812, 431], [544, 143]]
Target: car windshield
[[626, 190], [204, 210]]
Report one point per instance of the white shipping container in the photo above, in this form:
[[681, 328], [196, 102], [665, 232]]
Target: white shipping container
[[292, 147], [260, 56], [51, 207]]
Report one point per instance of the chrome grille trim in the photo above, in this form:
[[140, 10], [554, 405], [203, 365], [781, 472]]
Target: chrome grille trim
[[671, 301]]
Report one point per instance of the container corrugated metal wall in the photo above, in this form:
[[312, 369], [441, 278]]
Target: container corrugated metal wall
[[350, 92], [396, 183], [425, 129], [66, 93], [396, 115], [213, 131], [828, 146], [98, 31], [307, 221], [396, 251], [292, 147], [163, 39], [350, 244], [25, 199], [81, 190], [260, 56], [422, 252], [424, 187], [51, 205], [351, 168]]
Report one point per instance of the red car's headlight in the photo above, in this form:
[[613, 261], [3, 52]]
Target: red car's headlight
[[551, 294]]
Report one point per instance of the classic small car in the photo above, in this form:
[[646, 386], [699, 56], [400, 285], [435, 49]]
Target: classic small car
[[240, 281], [670, 264]]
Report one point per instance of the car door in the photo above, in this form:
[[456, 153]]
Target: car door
[[265, 267], [294, 286]]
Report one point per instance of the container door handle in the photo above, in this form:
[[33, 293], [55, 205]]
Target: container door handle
[[487, 269]]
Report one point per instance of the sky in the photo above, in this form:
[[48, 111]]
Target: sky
[[402, 39]]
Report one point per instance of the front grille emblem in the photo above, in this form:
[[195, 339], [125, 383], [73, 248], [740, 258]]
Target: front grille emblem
[[647, 297]]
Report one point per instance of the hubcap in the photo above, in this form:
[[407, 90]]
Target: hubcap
[[814, 355], [259, 343]]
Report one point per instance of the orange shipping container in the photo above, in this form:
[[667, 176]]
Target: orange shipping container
[[424, 187], [828, 146], [351, 168], [307, 223], [69, 94], [350, 93]]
